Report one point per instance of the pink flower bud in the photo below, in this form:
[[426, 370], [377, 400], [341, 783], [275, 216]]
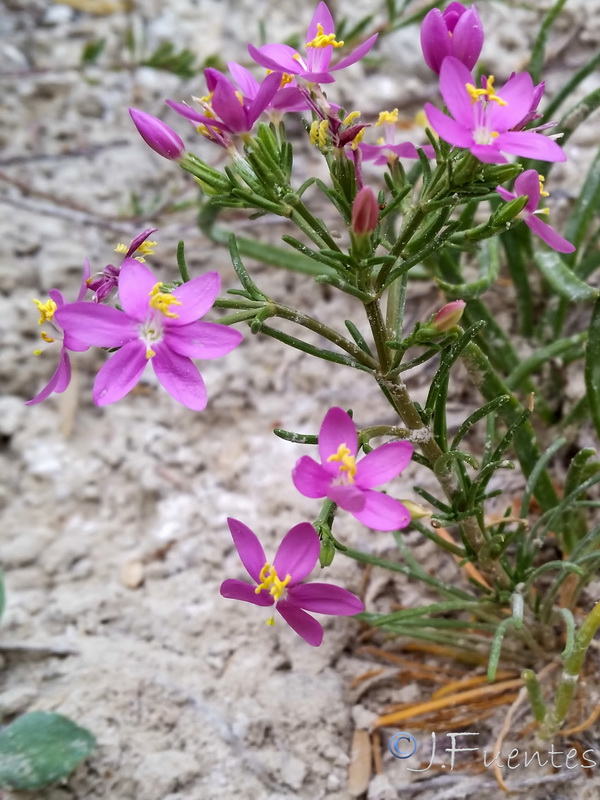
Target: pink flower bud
[[158, 135], [457, 32], [365, 211], [448, 316]]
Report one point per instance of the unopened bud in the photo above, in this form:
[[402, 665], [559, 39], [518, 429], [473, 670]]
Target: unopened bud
[[448, 316], [365, 211], [509, 211], [158, 135], [327, 552]]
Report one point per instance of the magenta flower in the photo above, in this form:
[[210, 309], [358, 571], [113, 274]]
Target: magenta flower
[[484, 118], [157, 325], [456, 31], [350, 483], [386, 150], [158, 135], [62, 375], [530, 184], [103, 283], [287, 98], [228, 111], [320, 43], [278, 582]]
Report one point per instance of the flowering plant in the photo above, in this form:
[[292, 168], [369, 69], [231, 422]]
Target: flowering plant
[[463, 200]]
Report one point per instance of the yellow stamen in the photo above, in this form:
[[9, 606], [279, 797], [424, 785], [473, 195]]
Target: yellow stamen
[[271, 620], [46, 310], [543, 211], [348, 461], [45, 338], [381, 140], [318, 132], [240, 97], [324, 40], [488, 93], [37, 352], [269, 580], [150, 353], [121, 248], [351, 117], [285, 77], [387, 117], [357, 139], [543, 193], [161, 301], [147, 248]]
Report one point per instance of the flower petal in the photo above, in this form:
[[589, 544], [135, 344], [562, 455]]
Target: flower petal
[[310, 478], [322, 598], [136, 281], [505, 194], [350, 498], [244, 79], [356, 54], [528, 183], [278, 57], [120, 373], [454, 77], [298, 552], [488, 153], [93, 324], [58, 382], [322, 16], [549, 235], [180, 377], [530, 145], [227, 106], [249, 548], [196, 297], [447, 128], [268, 89], [517, 92], [202, 339], [87, 271], [239, 590], [467, 37], [337, 428], [383, 464], [382, 512], [435, 40], [302, 623], [139, 239]]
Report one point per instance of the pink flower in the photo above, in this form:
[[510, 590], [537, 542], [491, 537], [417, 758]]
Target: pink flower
[[287, 98], [348, 483], [156, 325], [320, 43], [158, 135], [62, 375], [456, 31], [103, 283], [227, 111], [530, 184], [484, 118], [386, 150], [278, 582]]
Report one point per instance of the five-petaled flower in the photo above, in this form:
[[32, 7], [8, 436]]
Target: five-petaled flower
[[349, 482], [456, 31], [278, 582], [157, 325], [484, 118], [530, 184], [320, 44]]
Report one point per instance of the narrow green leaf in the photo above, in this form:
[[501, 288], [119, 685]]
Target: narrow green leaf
[[562, 279], [489, 260], [586, 207], [536, 62], [592, 367], [41, 748], [297, 438]]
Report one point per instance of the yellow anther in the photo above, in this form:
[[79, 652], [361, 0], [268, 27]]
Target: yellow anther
[[543, 211], [388, 117], [161, 301], [357, 139], [543, 192], [318, 132], [269, 580], [488, 93], [285, 77], [348, 461], [271, 620], [204, 131], [150, 353], [351, 117], [206, 99], [37, 352], [381, 140], [147, 248], [46, 310], [121, 248], [240, 97], [44, 337], [324, 39]]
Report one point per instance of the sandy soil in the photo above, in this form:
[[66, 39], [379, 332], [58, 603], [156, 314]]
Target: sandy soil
[[114, 537]]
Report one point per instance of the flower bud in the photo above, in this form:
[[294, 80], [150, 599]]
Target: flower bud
[[508, 211], [457, 32], [365, 211], [448, 316], [158, 135], [415, 510]]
